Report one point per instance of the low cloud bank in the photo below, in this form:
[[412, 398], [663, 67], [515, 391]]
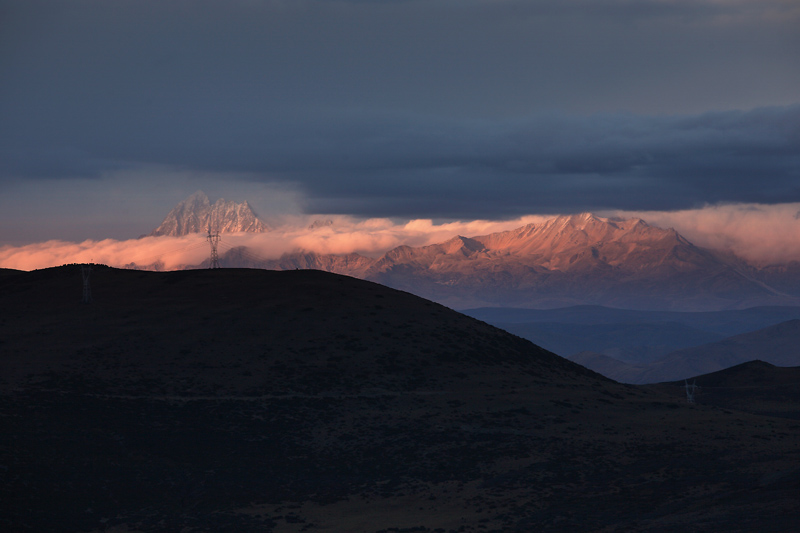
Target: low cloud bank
[[337, 235], [761, 234]]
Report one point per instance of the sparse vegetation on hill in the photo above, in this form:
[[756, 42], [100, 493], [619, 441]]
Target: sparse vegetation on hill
[[249, 400]]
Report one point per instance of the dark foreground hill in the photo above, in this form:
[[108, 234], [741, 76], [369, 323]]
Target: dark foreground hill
[[245, 400], [754, 387]]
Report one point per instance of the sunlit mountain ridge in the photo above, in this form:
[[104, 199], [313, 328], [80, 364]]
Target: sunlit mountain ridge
[[533, 262], [566, 260]]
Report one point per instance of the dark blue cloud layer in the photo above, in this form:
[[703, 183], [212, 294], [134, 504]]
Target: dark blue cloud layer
[[437, 108], [411, 166]]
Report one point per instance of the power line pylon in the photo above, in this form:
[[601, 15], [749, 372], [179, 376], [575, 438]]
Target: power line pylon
[[213, 239], [690, 390], [86, 271]]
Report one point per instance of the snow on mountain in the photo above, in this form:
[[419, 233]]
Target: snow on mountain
[[196, 214], [569, 260], [563, 244], [559, 242]]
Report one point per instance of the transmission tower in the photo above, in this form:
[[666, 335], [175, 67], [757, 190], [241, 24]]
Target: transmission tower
[[213, 239], [690, 390], [86, 271]]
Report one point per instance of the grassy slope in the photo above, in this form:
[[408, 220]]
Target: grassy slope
[[248, 400]]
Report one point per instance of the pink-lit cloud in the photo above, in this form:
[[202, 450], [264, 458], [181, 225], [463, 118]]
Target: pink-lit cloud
[[371, 237], [761, 234]]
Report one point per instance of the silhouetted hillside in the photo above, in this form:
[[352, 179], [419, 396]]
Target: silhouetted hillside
[[608, 366], [753, 387], [247, 400]]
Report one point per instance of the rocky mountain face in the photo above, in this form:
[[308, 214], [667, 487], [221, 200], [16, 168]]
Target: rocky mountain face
[[567, 260], [196, 214]]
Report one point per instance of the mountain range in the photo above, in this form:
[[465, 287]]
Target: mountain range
[[567, 260]]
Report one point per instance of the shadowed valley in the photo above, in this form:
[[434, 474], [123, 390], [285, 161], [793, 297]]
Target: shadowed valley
[[654, 346]]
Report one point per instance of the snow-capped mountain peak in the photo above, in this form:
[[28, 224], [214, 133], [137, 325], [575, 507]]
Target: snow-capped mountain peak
[[196, 214]]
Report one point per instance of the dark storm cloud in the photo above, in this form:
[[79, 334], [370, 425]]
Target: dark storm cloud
[[411, 108], [415, 166], [557, 163]]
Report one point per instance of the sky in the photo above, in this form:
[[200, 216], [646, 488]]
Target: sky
[[112, 111]]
